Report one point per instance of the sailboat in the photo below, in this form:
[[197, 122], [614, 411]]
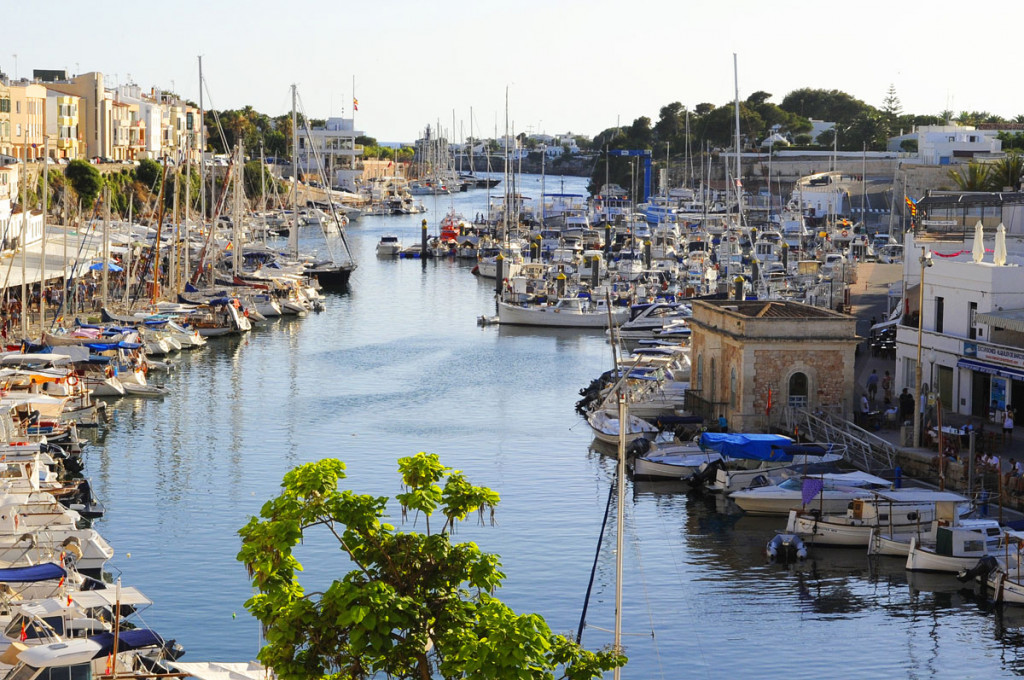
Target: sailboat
[[329, 273]]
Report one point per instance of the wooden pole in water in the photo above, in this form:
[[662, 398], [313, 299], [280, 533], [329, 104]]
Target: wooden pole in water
[[423, 239]]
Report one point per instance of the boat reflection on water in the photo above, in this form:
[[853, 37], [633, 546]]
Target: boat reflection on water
[[563, 336]]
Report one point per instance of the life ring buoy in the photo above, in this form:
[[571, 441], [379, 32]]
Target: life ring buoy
[[72, 380], [845, 233]]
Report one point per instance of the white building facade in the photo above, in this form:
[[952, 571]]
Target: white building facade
[[971, 331]]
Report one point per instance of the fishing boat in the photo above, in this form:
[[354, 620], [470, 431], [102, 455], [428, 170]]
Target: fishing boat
[[898, 511]]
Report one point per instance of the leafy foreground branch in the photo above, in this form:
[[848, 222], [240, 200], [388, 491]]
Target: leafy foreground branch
[[415, 606]]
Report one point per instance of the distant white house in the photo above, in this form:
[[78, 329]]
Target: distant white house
[[946, 144], [818, 127]]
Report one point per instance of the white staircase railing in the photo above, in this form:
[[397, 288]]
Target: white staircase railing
[[865, 451]]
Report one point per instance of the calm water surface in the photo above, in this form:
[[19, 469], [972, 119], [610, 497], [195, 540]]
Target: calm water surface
[[398, 365]]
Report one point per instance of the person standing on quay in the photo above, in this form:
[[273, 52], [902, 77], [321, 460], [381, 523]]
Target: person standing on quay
[[1008, 426], [906, 406], [873, 385]]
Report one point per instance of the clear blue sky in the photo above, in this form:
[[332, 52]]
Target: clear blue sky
[[567, 65]]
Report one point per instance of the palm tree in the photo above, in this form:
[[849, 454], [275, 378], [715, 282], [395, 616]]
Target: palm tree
[[1006, 172], [972, 177]]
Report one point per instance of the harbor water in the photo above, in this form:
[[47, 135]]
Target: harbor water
[[399, 365]]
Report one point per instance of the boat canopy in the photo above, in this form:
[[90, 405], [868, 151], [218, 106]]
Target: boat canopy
[[749, 446], [47, 571], [126, 641]]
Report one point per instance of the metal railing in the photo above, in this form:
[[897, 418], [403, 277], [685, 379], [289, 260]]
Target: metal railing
[[864, 450]]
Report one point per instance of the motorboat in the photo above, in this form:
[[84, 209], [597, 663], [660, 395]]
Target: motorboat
[[389, 246], [711, 448], [574, 312], [827, 494], [606, 427], [897, 511]]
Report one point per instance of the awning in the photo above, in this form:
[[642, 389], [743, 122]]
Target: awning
[[994, 369], [1011, 319]]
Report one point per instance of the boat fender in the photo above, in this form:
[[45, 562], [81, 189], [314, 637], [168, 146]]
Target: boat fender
[[73, 547]]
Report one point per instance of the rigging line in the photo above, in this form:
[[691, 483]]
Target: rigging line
[[216, 117], [328, 182], [671, 531], [593, 568], [643, 580]]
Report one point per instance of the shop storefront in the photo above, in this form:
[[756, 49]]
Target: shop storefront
[[997, 378]]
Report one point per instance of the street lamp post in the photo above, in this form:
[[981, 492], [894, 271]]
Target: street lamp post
[[926, 261]]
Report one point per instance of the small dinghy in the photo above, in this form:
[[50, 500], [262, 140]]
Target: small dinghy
[[785, 548], [135, 390]]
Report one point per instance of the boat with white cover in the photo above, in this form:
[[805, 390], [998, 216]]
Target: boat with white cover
[[830, 493], [564, 313]]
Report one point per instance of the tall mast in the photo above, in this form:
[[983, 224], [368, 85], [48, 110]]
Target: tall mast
[[739, 184], [106, 248], [21, 238], [293, 233], [236, 218], [42, 255], [202, 146], [186, 234]]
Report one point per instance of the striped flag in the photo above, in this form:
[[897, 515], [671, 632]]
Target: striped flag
[[355, 104], [911, 205]]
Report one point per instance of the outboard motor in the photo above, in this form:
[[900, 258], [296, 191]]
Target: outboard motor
[[786, 548], [638, 447], [706, 473], [985, 566]]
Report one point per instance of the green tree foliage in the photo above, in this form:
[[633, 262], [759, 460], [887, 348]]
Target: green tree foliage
[[1011, 140], [719, 126], [868, 130], [1006, 172], [85, 180], [671, 127], [827, 105], [971, 177], [892, 109], [253, 129], [254, 184], [149, 172], [416, 605]]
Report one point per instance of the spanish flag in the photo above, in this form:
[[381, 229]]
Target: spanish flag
[[355, 104], [911, 205]]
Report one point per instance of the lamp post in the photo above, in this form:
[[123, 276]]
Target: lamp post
[[926, 261]]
